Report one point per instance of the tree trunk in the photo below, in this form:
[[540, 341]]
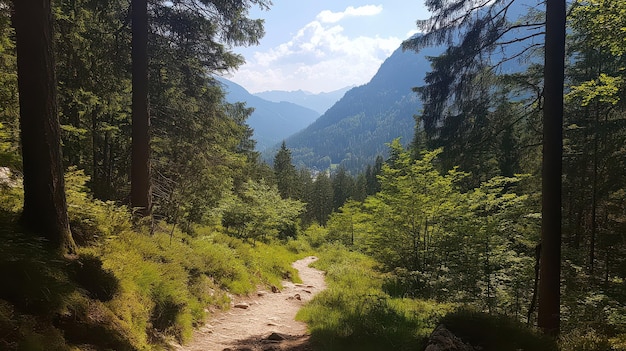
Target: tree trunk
[[550, 270], [45, 207], [140, 185]]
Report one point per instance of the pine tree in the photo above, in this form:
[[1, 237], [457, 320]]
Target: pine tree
[[322, 198], [45, 207], [343, 187], [285, 173], [550, 269], [140, 179]]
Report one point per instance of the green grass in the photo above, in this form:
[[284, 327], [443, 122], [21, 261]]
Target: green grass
[[355, 314], [128, 290]]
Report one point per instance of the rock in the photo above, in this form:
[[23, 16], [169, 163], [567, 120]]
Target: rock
[[276, 337], [295, 297], [275, 290], [442, 339], [261, 293], [242, 305], [307, 291]]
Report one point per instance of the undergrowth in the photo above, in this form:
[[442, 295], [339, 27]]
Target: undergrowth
[[354, 313], [127, 290]]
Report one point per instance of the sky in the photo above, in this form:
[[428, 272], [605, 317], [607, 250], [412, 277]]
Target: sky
[[324, 45]]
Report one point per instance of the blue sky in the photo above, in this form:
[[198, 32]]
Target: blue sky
[[324, 45]]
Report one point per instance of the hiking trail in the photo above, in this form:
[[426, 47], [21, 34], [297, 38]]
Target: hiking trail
[[264, 321]]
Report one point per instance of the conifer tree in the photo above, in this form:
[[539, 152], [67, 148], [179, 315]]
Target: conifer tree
[[285, 173], [45, 207], [140, 179], [550, 271]]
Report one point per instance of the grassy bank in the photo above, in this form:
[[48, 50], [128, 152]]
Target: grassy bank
[[354, 313], [128, 289]]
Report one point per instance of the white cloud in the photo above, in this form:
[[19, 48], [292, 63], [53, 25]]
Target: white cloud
[[320, 57], [327, 16]]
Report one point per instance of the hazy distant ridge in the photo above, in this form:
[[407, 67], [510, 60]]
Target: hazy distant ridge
[[320, 102], [272, 121]]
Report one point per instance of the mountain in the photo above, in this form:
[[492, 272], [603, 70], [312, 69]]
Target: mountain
[[356, 128], [272, 122], [318, 102]]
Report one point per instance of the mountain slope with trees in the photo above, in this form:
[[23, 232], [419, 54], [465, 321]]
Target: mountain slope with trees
[[355, 130], [272, 122], [451, 221]]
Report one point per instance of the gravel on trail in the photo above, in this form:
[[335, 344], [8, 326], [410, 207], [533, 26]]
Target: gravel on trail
[[264, 321]]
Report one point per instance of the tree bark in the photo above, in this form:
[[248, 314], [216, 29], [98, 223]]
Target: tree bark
[[550, 270], [45, 207], [140, 183]]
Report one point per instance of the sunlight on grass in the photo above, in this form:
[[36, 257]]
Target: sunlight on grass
[[355, 314]]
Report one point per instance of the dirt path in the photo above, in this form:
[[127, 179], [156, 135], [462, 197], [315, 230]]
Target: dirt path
[[265, 322]]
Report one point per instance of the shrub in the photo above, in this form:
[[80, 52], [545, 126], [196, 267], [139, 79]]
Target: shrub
[[496, 332]]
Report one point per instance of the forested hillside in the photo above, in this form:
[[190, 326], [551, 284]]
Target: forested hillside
[[271, 121], [133, 204], [355, 130]]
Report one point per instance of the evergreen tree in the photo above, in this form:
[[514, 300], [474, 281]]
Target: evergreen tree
[[343, 187], [45, 208], [372, 184], [140, 178], [285, 173], [322, 198]]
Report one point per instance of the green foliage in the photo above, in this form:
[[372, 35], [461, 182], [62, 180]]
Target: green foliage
[[496, 332], [126, 290], [603, 23], [9, 108], [260, 213], [438, 242], [321, 199], [285, 173], [355, 314], [92, 220]]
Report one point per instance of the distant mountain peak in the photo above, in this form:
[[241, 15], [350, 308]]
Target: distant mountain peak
[[271, 121], [357, 127], [318, 102]]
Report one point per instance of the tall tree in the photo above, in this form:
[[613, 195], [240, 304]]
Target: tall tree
[[285, 173], [45, 207], [554, 68], [343, 187], [322, 198], [480, 28], [140, 181], [193, 37]]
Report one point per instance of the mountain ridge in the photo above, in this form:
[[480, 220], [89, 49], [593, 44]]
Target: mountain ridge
[[319, 102], [272, 122], [357, 128]]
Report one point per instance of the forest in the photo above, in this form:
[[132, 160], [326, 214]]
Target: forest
[[132, 198]]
